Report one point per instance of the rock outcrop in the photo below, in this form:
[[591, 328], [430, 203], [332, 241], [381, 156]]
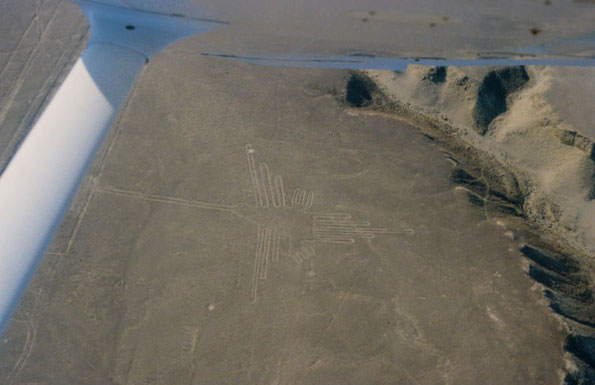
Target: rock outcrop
[[522, 143]]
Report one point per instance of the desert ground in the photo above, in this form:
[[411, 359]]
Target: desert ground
[[247, 225]]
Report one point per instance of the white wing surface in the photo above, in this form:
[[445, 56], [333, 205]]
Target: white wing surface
[[391, 34]]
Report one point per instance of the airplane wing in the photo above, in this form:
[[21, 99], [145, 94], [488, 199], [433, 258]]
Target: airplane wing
[[380, 34], [38, 184]]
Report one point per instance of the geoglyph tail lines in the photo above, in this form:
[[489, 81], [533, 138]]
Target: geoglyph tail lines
[[267, 252], [303, 253], [191, 334], [296, 257], [257, 257], [261, 249], [276, 245], [307, 251]]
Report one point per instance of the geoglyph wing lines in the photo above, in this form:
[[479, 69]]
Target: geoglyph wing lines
[[339, 228], [269, 191]]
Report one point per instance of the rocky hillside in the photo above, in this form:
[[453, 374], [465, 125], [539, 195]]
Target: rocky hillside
[[522, 140]]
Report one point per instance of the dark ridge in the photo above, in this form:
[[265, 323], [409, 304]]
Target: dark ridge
[[576, 288], [583, 347], [571, 298], [493, 91], [475, 199], [496, 201], [512, 78], [584, 376], [559, 265], [570, 380], [506, 198], [436, 75], [510, 210], [462, 177], [592, 189], [359, 90], [491, 102], [567, 137], [575, 311], [547, 279]]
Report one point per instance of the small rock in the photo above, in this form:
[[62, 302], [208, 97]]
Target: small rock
[[566, 136], [359, 90], [493, 91], [436, 75], [585, 144]]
